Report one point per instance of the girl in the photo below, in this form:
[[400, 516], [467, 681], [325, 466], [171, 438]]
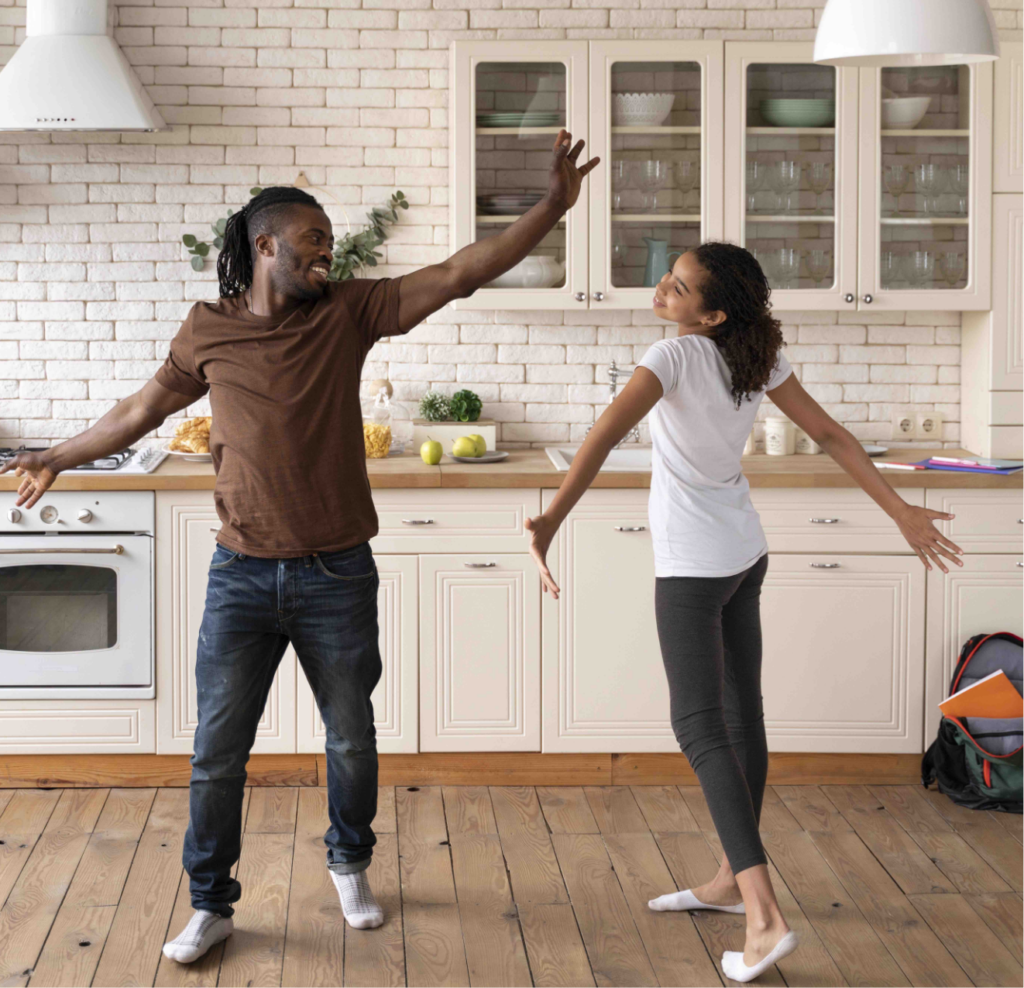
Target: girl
[[703, 389]]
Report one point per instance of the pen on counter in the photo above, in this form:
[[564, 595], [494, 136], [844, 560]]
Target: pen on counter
[[901, 466]]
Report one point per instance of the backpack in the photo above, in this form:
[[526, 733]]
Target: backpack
[[976, 761]]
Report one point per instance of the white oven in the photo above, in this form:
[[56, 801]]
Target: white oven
[[76, 596]]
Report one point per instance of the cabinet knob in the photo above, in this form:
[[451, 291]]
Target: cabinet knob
[[823, 521], [849, 297], [598, 296], [868, 299], [630, 528], [825, 565], [479, 565], [580, 296]]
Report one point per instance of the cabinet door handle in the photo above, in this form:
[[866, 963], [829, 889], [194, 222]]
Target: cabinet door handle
[[598, 296], [480, 565], [825, 565], [1020, 521], [117, 550], [849, 297], [823, 521], [417, 521], [630, 528], [1020, 564], [580, 296], [214, 529], [868, 299]]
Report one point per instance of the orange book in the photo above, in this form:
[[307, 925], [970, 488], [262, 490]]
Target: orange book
[[993, 696]]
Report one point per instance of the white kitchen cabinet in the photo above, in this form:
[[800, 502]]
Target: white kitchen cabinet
[[186, 523], [479, 652], [394, 699], [982, 596], [986, 520], [1008, 114], [992, 347], [74, 727]]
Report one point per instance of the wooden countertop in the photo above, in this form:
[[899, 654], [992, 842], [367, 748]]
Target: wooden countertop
[[532, 468]]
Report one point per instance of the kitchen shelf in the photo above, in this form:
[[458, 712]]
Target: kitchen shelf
[[925, 133], [790, 131], [656, 130], [482, 218], [521, 131], [924, 221], [788, 218], [656, 217]]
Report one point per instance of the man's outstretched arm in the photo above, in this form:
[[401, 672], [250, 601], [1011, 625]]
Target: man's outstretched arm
[[431, 288]]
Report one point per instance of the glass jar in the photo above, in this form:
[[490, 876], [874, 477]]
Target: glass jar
[[377, 426]]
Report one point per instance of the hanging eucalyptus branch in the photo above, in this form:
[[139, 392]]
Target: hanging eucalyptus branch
[[352, 251]]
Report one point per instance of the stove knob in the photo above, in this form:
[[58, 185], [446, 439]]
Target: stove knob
[[85, 515], [13, 514]]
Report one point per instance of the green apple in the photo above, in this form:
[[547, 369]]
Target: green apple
[[430, 452], [464, 446], [481, 443]]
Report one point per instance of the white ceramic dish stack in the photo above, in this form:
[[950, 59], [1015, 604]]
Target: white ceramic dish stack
[[641, 109], [904, 112]]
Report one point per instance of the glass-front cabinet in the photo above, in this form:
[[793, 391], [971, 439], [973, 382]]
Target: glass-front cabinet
[[855, 188], [791, 171], [925, 186]]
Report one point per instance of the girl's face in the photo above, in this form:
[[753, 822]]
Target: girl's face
[[677, 297]]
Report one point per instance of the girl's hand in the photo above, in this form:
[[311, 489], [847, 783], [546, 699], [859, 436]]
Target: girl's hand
[[565, 179], [925, 539], [543, 532]]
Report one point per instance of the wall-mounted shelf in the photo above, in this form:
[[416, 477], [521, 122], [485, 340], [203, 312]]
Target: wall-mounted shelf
[[925, 133], [791, 131], [924, 221], [655, 217], [788, 218]]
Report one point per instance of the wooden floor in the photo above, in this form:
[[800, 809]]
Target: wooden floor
[[888, 885]]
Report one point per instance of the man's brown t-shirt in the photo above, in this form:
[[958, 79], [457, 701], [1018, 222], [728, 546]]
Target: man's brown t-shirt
[[287, 437]]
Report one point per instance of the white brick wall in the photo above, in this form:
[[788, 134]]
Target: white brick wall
[[93, 280]]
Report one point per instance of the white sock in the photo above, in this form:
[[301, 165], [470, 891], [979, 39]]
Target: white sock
[[357, 901], [203, 931], [734, 967], [684, 900]]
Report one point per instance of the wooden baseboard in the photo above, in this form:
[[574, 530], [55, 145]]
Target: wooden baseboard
[[455, 769]]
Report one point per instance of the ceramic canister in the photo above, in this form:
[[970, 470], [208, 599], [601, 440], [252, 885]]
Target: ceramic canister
[[803, 443], [779, 439]]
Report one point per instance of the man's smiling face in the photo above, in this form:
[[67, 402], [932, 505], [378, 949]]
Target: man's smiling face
[[301, 258]]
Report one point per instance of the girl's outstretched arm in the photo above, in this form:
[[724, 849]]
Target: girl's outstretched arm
[[637, 398]]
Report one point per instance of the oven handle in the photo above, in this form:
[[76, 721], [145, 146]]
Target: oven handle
[[117, 550]]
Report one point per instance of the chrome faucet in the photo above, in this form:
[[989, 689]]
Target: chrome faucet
[[614, 373]]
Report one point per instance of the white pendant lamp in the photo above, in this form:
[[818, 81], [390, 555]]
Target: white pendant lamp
[[906, 32]]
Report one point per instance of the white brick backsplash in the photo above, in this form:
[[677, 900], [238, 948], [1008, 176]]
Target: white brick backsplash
[[94, 281]]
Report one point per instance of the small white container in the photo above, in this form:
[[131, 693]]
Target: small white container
[[779, 439], [750, 446], [803, 443]]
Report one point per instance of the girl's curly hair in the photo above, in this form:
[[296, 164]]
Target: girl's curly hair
[[751, 337]]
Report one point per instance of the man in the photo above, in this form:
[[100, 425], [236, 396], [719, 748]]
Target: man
[[280, 354]]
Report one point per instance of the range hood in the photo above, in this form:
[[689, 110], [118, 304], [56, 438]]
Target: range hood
[[69, 74]]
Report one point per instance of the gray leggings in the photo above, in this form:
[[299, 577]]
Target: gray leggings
[[710, 634]]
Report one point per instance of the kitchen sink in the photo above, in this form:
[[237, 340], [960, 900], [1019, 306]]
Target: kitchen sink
[[629, 459]]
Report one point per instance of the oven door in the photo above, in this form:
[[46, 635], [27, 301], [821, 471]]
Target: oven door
[[76, 616]]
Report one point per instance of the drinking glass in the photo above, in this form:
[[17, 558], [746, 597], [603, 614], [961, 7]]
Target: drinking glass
[[653, 176], [819, 265], [919, 267], [787, 177], [959, 180], [897, 178], [951, 266], [756, 174], [619, 246], [819, 175], [685, 174], [622, 179], [890, 265], [786, 265], [930, 180]]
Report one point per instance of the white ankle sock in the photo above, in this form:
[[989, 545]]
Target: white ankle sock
[[681, 901], [734, 967], [357, 901], [203, 931]]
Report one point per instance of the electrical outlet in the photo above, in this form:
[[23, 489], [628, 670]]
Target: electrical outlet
[[929, 425], [904, 425]]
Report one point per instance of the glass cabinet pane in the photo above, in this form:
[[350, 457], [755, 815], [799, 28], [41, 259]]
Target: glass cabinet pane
[[790, 161], [924, 183], [654, 165], [520, 107]]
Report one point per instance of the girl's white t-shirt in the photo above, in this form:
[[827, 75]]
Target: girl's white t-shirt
[[702, 521]]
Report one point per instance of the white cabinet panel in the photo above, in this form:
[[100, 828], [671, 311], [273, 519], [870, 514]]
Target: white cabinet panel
[[983, 596], [1008, 112], [1007, 293], [53, 727], [604, 682], [843, 652], [186, 523], [986, 520], [479, 653], [394, 698]]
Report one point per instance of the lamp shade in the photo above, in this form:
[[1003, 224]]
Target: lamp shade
[[906, 32]]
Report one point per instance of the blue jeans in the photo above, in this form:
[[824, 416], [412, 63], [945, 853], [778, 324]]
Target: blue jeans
[[325, 604]]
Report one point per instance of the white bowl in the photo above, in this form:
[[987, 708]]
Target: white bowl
[[641, 109], [535, 271], [904, 112]]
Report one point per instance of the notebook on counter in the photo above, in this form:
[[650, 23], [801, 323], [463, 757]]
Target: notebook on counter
[[975, 465]]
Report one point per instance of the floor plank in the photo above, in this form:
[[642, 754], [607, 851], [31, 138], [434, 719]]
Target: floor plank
[[615, 810], [997, 847], [663, 809], [272, 809], [1012, 823], [557, 956], [384, 822], [812, 809], [566, 810], [980, 952], [617, 954], [1002, 915], [21, 823], [468, 810], [526, 844]]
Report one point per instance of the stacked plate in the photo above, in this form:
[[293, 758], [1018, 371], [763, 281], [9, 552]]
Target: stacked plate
[[506, 203], [799, 112], [518, 118]]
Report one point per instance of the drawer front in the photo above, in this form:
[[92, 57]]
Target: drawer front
[[68, 727], [831, 520], [454, 520], [986, 520]]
